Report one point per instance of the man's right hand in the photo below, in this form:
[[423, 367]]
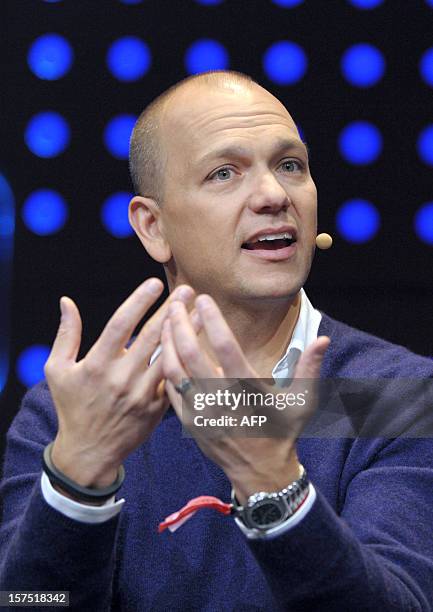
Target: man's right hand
[[108, 403]]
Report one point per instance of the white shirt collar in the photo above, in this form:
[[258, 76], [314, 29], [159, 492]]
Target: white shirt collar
[[305, 332]]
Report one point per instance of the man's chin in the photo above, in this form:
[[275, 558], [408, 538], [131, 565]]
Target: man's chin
[[281, 289]]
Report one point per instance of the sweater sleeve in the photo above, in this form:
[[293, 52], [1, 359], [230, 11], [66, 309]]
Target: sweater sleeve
[[41, 548], [376, 554]]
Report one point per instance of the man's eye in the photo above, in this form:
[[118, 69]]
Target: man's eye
[[222, 174], [293, 164]]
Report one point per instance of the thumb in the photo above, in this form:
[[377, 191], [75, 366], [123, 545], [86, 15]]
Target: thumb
[[311, 359], [68, 339]]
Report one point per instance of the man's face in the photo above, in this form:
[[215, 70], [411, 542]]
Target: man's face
[[217, 200]]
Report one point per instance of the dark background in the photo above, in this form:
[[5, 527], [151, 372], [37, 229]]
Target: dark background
[[383, 286]]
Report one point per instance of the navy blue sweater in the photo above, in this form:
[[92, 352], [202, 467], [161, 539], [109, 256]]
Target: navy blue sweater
[[366, 544]]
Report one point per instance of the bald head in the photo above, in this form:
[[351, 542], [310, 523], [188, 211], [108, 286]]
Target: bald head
[[147, 156]]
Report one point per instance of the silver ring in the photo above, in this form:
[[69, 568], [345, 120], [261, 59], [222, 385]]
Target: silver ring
[[184, 386]]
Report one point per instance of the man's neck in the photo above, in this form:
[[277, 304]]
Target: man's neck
[[263, 331]]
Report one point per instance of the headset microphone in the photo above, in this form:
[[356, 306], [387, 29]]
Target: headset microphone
[[324, 241]]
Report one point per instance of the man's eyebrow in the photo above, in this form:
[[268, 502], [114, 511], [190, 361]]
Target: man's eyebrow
[[238, 151]]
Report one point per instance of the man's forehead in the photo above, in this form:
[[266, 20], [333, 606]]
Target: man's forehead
[[199, 109], [196, 97]]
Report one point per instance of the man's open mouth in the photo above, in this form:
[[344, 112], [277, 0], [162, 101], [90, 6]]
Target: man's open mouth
[[271, 242]]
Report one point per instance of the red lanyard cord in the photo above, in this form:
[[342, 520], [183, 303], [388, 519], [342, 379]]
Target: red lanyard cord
[[175, 520]]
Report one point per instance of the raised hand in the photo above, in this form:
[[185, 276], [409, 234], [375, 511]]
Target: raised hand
[[109, 402], [251, 463]]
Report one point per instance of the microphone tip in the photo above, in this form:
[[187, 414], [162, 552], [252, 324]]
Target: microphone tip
[[324, 241]]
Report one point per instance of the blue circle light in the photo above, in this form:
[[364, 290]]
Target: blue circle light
[[365, 4], [423, 223], [362, 65], [131, 1], [285, 62], [30, 364], [426, 66], [7, 221], [425, 145], [288, 3], [209, 2], [206, 54], [128, 58], [357, 221], [44, 212], [50, 57], [360, 143], [114, 215], [117, 134], [47, 134]]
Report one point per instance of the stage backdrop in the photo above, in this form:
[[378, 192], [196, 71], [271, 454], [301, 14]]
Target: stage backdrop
[[357, 77]]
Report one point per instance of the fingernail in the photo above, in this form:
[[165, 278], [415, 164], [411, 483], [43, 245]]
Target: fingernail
[[182, 293], [154, 286], [203, 301]]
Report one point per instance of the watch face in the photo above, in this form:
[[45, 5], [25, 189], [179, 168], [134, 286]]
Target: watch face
[[266, 514]]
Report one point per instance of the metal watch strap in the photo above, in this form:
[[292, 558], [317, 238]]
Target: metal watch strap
[[292, 497], [77, 491]]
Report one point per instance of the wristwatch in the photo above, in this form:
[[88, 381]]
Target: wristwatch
[[263, 510]]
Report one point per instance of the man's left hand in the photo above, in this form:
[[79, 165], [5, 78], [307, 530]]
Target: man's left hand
[[251, 463]]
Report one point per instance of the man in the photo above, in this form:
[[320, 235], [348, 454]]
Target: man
[[218, 166]]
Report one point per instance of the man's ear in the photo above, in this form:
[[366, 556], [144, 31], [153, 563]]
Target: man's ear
[[145, 217]]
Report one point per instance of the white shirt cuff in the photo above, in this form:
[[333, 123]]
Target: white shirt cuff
[[255, 534], [76, 510]]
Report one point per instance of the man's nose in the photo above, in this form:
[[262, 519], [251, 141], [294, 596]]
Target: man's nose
[[268, 195]]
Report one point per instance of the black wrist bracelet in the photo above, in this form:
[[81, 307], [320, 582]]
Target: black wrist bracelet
[[76, 490]]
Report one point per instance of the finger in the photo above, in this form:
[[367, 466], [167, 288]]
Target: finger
[[160, 391], [152, 390], [68, 339], [186, 343], [175, 399], [148, 339], [184, 414], [123, 322], [153, 382], [195, 322], [222, 339], [172, 367], [311, 359], [195, 319]]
